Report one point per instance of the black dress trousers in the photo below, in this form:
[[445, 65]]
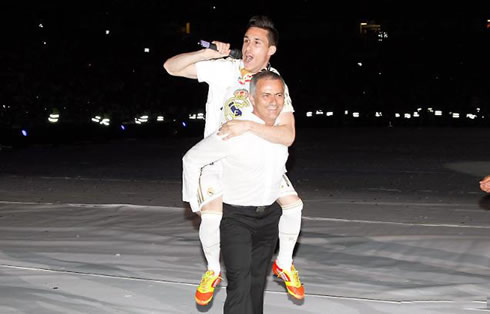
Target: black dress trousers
[[248, 240]]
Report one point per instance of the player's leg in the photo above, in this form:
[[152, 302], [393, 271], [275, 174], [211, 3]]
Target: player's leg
[[211, 215], [289, 229], [211, 206]]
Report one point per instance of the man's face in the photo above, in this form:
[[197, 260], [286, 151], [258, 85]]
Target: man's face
[[268, 99], [256, 50]]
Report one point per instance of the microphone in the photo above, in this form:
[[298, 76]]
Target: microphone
[[234, 53]]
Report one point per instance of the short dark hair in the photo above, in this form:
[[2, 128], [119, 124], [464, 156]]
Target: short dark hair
[[264, 74], [266, 23]]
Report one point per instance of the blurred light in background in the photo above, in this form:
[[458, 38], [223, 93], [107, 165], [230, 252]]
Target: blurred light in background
[[54, 117]]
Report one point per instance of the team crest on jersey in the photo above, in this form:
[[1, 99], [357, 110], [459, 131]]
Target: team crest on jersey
[[233, 107]]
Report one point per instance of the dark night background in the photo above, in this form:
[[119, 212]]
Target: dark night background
[[57, 58]]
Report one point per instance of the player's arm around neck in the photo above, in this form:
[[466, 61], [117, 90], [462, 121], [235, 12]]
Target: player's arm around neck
[[284, 133]]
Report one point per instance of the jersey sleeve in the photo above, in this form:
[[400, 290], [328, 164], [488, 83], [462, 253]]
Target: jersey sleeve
[[288, 104], [215, 72]]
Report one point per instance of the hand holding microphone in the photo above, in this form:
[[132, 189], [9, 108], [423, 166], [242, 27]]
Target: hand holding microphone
[[222, 48]]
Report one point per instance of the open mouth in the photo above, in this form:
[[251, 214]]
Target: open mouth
[[248, 58]]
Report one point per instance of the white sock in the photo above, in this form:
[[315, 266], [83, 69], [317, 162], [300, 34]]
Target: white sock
[[289, 227], [210, 239]]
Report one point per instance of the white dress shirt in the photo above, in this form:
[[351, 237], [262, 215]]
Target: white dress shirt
[[252, 168]]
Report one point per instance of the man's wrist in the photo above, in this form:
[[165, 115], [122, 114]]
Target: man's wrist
[[251, 126]]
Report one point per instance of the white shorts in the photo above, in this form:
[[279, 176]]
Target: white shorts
[[211, 185]]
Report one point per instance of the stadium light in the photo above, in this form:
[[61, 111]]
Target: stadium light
[[53, 117]]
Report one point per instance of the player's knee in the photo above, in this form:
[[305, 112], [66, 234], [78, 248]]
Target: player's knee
[[288, 200], [295, 206], [214, 206]]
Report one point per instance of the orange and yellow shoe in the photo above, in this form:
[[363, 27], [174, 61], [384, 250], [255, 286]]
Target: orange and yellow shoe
[[291, 279], [205, 290]]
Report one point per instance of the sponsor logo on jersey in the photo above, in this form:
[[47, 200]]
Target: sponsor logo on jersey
[[245, 77]]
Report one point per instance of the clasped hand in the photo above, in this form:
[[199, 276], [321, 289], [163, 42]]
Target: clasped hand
[[233, 128]]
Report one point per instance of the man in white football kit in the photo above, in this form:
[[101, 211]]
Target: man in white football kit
[[228, 81], [252, 173]]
